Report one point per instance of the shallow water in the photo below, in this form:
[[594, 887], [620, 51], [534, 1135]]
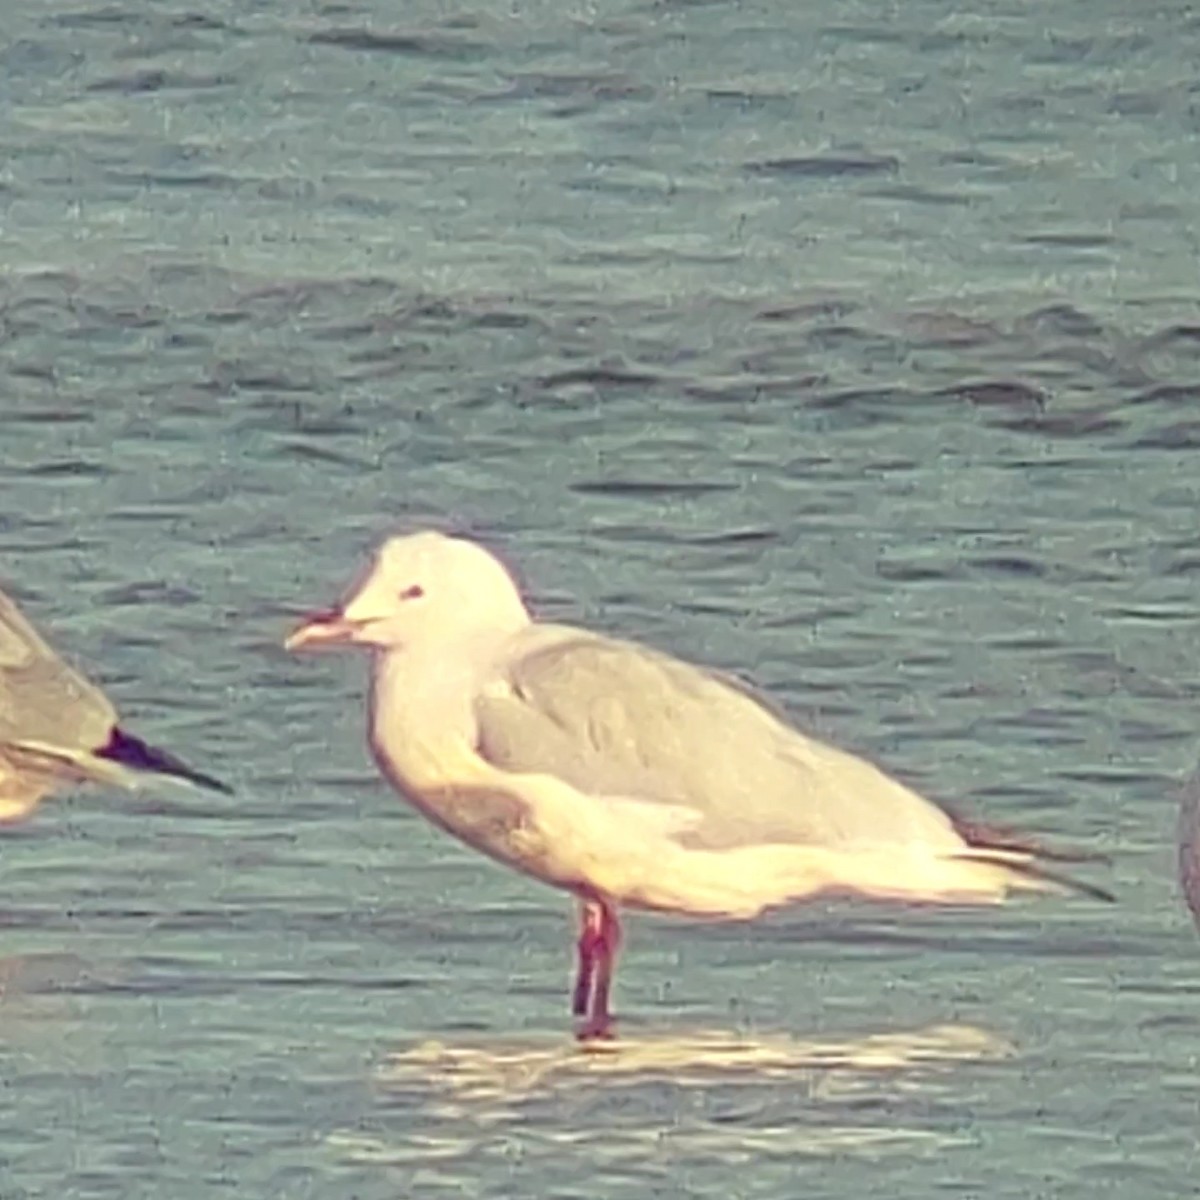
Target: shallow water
[[859, 352]]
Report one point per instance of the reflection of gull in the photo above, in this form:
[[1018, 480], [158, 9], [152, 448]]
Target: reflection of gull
[[868, 1097], [514, 1070], [444, 1161], [41, 1015], [55, 726], [628, 777]]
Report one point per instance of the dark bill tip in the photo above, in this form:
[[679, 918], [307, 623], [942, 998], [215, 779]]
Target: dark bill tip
[[325, 626]]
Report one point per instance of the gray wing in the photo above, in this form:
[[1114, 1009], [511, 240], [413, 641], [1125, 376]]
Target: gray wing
[[42, 699], [616, 719]]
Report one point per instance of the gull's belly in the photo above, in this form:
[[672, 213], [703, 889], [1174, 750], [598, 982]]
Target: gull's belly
[[614, 847]]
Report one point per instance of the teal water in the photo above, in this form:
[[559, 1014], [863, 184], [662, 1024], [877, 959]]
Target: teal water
[[856, 348]]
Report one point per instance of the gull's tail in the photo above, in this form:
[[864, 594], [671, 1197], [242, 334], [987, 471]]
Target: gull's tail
[[1021, 860]]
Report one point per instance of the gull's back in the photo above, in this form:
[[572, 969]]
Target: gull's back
[[616, 718]]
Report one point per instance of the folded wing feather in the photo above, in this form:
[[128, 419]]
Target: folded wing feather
[[618, 719]]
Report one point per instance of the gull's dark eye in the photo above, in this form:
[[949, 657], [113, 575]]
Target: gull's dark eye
[[412, 593]]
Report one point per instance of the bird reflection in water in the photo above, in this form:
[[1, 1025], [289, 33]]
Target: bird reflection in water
[[511, 1068]]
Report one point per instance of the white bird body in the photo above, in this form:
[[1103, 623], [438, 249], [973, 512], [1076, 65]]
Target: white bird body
[[633, 845], [626, 776]]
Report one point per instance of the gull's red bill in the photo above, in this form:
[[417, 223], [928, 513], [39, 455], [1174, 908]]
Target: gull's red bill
[[324, 626]]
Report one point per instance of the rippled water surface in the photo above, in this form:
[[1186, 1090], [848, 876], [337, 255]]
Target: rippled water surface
[[854, 346]]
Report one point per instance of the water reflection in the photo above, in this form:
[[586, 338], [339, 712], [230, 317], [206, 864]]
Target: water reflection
[[487, 1071], [41, 1019], [869, 1095]]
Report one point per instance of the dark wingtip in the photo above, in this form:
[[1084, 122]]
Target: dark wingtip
[[981, 836], [1036, 871], [132, 752]]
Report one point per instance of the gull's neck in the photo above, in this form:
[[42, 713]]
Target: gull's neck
[[421, 718]]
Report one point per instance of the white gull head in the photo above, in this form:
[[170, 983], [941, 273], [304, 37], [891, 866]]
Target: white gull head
[[422, 589]]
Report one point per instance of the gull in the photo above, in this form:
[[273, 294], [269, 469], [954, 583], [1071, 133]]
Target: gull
[[57, 728], [625, 776]]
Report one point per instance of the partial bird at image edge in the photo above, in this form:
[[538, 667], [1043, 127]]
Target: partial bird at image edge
[[57, 728]]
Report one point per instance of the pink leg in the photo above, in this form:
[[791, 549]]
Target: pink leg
[[599, 940], [581, 1000]]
